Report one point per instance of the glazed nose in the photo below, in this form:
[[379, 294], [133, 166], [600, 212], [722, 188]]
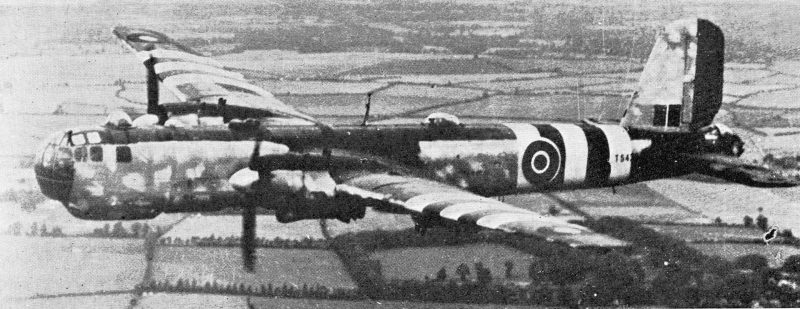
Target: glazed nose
[[55, 176]]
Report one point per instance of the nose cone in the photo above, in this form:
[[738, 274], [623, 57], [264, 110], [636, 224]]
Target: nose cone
[[55, 182]]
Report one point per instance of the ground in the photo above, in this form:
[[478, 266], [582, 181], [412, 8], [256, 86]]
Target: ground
[[52, 87]]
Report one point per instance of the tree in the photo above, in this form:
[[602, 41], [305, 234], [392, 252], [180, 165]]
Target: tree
[[136, 228], [15, 228], [509, 269], [761, 222], [43, 231], [441, 275], [146, 230], [753, 262], [484, 274], [615, 278], [463, 271], [748, 221], [106, 230], [119, 230], [742, 287], [57, 232], [34, 229], [792, 264]]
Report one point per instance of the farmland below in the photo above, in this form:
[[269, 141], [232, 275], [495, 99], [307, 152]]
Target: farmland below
[[483, 62]]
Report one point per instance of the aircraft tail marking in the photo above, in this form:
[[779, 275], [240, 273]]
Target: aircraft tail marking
[[680, 89]]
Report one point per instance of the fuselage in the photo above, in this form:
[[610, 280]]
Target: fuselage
[[138, 172]]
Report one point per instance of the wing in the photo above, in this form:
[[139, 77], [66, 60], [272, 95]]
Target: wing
[[196, 79], [432, 200], [737, 170]]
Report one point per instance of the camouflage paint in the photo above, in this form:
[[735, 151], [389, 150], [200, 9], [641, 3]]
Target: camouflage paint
[[162, 176]]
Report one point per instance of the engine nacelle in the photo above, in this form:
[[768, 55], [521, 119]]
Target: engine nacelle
[[302, 207], [89, 211], [311, 195]]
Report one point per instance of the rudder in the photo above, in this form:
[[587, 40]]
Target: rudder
[[680, 89]]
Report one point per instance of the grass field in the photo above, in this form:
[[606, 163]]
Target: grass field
[[174, 300], [431, 66], [353, 105], [50, 266], [745, 76], [562, 107], [282, 87], [276, 266], [291, 64], [569, 66], [523, 86], [102, 301], [693, 233], [741, 90], [231, 225], [416, 263], [776, 99], [425, 91], [731, 202], [373, 220], [775, 254]]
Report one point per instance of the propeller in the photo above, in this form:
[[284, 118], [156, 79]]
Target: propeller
[[248, 240]]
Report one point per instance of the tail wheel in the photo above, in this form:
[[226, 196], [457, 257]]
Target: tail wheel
[[732, 145]]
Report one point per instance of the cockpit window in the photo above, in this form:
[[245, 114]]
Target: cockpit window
[[78, 139], [93, 137], [96, 153]]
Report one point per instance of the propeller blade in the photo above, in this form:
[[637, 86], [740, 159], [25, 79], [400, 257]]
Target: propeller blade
[[256, 153], [248, 242]]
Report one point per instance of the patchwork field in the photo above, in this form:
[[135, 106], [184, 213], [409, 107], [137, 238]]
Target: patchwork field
[[164, 300], [775, 254], [82, 80], [231, 225], [418, 263], [82, 265], [561, 107], [731, 202], [697, 233], [373, 220], [224, 265]]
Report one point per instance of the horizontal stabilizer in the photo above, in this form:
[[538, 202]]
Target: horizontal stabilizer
[[737, 170]]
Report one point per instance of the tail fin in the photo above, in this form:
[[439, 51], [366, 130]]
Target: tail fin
[[680, 89]]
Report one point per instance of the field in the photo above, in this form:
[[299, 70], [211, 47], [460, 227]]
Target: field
[[697, 233], [418, 263], [164, 300], [224, 265], [61, 69], [775, 254], [731, 202], [560, 107], [231, 225], [29, 265]]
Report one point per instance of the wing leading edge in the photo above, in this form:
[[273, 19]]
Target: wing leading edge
[[434, 200], [196, 79]]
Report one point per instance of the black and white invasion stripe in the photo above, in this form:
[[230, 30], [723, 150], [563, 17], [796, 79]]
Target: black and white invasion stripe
[[552, 155]]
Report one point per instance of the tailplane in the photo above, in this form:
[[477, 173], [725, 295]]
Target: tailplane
[[680, 89]]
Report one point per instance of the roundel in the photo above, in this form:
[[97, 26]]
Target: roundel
[[145, 38], [541, 162]]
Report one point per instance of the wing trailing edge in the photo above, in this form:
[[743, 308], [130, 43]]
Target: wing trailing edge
[[432, 201]]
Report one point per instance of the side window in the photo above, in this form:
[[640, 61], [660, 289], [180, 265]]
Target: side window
[[80, 154], [96, 153], [124, 154], [93, 137]]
